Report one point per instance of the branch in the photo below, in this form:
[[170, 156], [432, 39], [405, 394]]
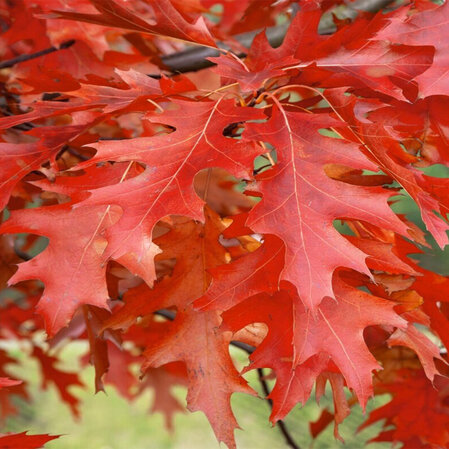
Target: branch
[[194, 59], [281, 424], [243, 346], [22, 254], [166, 314], [38, 54], [75, 153]]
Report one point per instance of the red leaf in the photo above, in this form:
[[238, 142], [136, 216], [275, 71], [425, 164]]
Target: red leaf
[[391, 158], [311, 201], [19, 159], [62, 379], [197, 250], [421, 419], [134, 180], [162, 380], [195, 339], [256, 272], [169, 22], [424, 28], [424, 348], [166, 187], [299, 343], [72, 277], [24, 441], [6, 382]]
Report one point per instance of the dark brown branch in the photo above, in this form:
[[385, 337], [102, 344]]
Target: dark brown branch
[[281, 424], [194, 59], [169, 314], [76, 153], [243, 346], [263, 167], [22, 254], [38, 54]]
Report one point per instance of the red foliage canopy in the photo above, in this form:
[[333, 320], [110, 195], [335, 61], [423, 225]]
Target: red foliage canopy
[[253, 203]]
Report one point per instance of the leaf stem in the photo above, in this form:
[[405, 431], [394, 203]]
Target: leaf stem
[[281, 424]]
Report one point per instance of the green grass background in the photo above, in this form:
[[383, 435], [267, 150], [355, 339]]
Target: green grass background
[[109, 422]]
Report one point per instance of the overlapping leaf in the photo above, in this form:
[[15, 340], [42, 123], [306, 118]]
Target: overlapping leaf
[[311, 201], [309, 117], [300, 344], [172, 160], [169, 22], [72, 277]]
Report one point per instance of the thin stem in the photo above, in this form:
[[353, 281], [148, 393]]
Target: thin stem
[[267, 154], [38, 54], [76, 153], [169, 314], [281, 424], [243, 346], [22, 254], [256, 172]]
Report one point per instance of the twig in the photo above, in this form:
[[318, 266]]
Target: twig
[[194, 59], [76, 153], [38, 54], [263, 167], [166, 314], [243, 346], [22, 254], [281, 424]]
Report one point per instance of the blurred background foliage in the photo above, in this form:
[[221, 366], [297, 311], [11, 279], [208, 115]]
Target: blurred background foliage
[[109, 421]]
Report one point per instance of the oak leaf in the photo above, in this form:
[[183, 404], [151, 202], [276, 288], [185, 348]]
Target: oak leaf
[[311, 201], [24, 441], [169, 21]]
